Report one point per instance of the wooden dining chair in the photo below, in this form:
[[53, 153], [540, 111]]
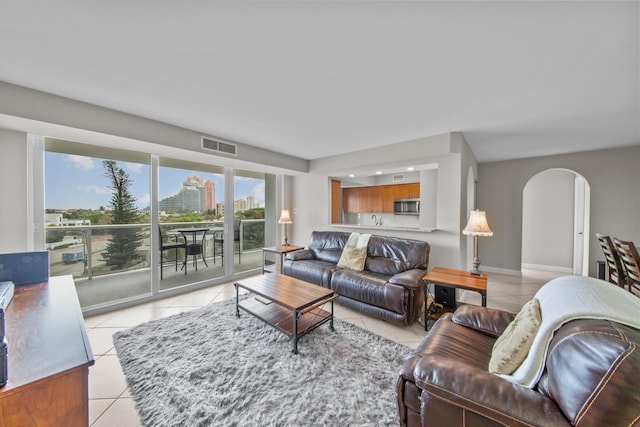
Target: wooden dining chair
[[172, 242], [616, 273], [631, 263]]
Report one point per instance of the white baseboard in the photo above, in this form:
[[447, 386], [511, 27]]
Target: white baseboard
[[504, 271], [554, 268]]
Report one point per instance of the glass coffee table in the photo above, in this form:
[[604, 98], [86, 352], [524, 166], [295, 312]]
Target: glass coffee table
[[292, 306]]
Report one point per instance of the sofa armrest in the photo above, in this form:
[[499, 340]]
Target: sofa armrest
[[486, 394], [486, 320], [409, 279], [300, 255]]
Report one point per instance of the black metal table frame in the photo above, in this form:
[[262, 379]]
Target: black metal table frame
[[296, 315], [194, 232], [428, 283]]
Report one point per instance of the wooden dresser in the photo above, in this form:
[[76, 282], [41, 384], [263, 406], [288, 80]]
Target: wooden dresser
[[49, 357]]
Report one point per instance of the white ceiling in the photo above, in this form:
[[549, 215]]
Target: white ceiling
[[314, 79]]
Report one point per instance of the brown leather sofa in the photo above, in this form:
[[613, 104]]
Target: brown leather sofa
[[591, 376], [389, 287]]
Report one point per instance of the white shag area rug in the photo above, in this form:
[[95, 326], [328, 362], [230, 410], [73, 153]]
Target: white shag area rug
[[209, 368]]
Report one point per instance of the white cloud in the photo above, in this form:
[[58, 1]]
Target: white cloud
[[81, 162], [258, 193], [134, 167], [144, 200], [172, 193], [94, 189]]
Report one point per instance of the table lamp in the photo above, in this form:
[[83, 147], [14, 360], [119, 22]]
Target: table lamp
[[285, 219], [477, 226]]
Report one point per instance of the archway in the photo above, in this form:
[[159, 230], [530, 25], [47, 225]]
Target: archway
[[555, 221]]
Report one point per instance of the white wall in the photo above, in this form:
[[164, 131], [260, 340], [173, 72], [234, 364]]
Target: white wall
[[547, 221], [429, 197], [613, 176], [14, 178]]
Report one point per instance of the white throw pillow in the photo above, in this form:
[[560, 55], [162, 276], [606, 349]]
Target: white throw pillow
[[512, 347]]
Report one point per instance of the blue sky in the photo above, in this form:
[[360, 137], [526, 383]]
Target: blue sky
[[79, 182]]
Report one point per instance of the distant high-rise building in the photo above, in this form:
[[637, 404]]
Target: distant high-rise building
[[251, 202], [195, 179], [191, 197], [210, 195], [240, 205]]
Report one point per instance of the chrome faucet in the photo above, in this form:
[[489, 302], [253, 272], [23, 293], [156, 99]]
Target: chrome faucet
[[375, 219]]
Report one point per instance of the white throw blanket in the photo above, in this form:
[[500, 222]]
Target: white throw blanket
[[570, 298], [357, 240]]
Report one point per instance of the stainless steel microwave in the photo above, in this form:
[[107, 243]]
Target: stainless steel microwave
[[406, 207]]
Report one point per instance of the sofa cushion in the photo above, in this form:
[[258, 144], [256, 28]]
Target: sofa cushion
[[327, 245], [452, 344], [368, 287], [392, 255], [312, 271], [490, 321], [513, 345]]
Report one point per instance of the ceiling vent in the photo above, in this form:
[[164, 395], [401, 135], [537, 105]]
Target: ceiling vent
[[219, 146], [398, 177]]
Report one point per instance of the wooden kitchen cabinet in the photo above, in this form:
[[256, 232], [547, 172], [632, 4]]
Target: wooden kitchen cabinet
[[414, 190], [377, 198], [407, 191], [388, 196], [365, 199], [351, 200], [377, 201], [372, 199], [336, 206], [400, 191]]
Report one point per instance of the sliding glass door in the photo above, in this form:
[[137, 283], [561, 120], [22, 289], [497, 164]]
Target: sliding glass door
[[97, 220], [253, 209], [190, 212]]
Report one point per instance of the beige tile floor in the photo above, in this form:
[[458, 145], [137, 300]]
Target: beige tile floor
[[110, 403]]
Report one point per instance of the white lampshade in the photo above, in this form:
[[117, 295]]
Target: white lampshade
[[285, 218], [477, 225]]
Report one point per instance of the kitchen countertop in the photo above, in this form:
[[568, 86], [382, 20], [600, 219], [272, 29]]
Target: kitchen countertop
[[386, 228]]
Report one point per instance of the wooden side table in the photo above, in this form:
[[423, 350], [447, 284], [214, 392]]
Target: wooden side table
[[282, 250], [456, 279]]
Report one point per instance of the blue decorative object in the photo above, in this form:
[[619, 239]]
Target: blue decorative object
[[24, 267]]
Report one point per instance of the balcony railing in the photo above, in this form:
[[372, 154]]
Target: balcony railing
[[79, 250]]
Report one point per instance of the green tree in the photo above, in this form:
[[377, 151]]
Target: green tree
[[122, 249], [253, 213]]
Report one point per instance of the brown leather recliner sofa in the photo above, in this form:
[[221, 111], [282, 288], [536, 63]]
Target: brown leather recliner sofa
[[591, 376], [389, 287]]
